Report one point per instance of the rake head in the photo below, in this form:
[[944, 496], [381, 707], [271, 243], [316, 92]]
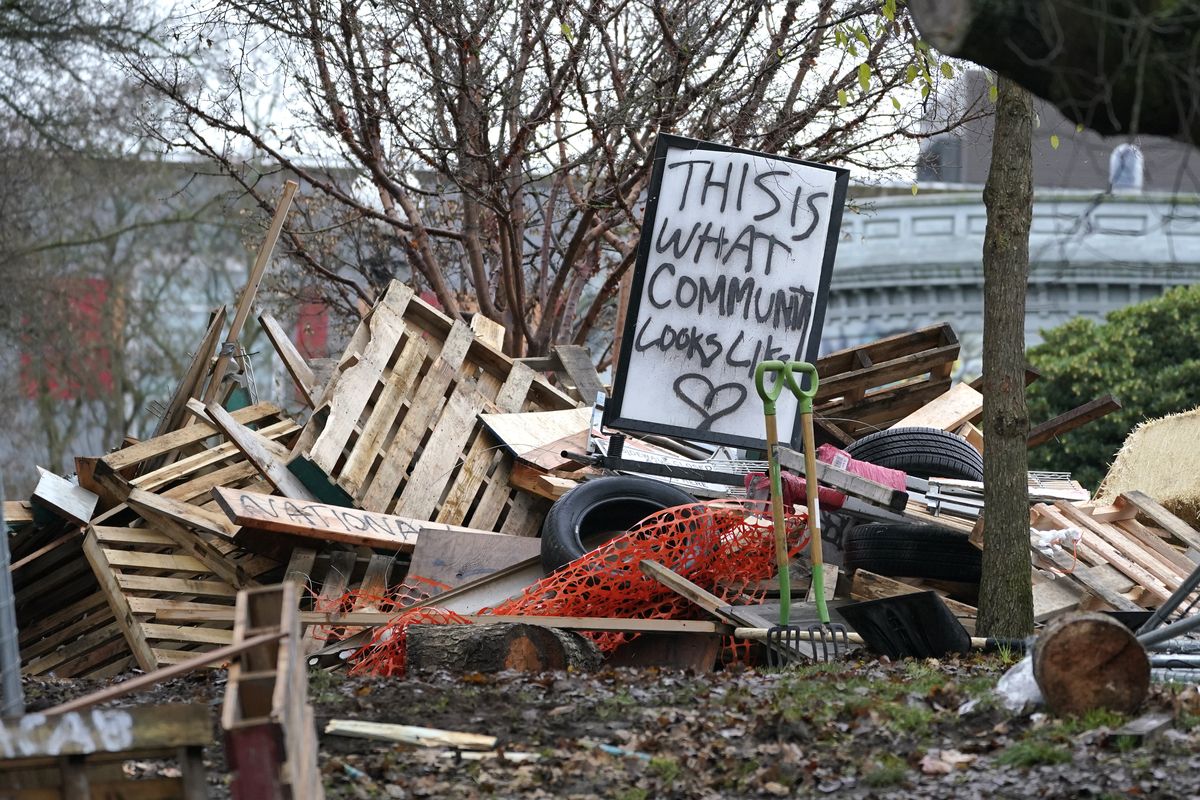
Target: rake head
[[792, 644]]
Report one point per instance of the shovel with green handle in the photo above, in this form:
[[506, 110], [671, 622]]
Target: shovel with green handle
[[785, 375]]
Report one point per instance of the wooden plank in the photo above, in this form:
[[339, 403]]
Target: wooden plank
[[337, 581], [302, 375], [191, 467], [190, 386], [409, 734], [442, 452], [973, 435], [59, 733], [1052, 598], [242, 312], [883, 372], [182, 513], [1161, 517], [488, 331], [252, 446], [175, 563], [17, 512], [325, 522], [535, 481], [177, 586], [452, 558], [193, 434], [845, 481], [158, 676], [948, 412], [1091, 580], [65, 498], [528, 436], [577, 362], [69, 536], [130, 626], [867, 585], [177, 633], [1076, 417], [349, 391]]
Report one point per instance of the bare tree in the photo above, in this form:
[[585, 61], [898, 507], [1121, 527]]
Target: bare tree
[[501, 147]]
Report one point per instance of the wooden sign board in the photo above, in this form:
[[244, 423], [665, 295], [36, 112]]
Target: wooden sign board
[[325, 522], [733, 268]]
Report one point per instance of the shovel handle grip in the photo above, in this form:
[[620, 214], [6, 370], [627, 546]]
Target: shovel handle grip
[[786, 375]]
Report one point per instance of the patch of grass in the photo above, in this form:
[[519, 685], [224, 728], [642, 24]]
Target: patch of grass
[[1096, 718], [633, 793], [887, 770], [1187, 722], [1033, 753], [1127, 744], [666, 768], [322, 686], [908, 718]]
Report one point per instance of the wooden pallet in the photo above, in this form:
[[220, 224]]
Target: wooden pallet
[[1125, 563], [87, 604], [866, 388], [398, 429]]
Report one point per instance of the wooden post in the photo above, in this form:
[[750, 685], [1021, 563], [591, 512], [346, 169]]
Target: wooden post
[[247, 298]]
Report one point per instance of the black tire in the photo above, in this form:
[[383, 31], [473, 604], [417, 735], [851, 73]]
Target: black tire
[[598, 510], [912, 551], [921, 452]]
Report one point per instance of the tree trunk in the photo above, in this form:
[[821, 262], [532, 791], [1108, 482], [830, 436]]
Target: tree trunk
[[1005, 593], [1118, 67], [497, 646], [1087, 661]]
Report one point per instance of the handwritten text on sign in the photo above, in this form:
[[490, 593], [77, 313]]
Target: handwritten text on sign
[[732, 276]]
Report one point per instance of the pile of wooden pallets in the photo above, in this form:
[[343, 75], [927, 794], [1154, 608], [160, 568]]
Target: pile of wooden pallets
[[426, 443]]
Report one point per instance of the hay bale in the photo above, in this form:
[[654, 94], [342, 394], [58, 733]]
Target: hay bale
[[1161, 458]]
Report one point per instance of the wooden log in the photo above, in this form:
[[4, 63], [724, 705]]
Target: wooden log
[[496, 647], [1088, 661]]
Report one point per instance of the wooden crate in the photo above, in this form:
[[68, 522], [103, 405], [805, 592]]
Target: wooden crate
[[872, 386], [399, 431]]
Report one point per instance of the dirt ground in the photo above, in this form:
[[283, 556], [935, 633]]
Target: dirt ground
[[863, 728]]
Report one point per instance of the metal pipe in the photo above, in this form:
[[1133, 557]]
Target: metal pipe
[[12, 699], [1170, 631]]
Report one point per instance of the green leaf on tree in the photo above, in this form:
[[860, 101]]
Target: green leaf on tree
[[842, 99], [947, 70], [864, 76]]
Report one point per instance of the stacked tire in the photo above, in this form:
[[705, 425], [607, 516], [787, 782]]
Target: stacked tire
[[916, 551]]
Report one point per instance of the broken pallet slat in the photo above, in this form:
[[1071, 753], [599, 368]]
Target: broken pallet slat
[[960, 404], [1069, 421], [65, 498], [302, 375], [1162, 518]]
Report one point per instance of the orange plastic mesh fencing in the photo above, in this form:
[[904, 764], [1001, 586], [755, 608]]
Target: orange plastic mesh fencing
[[726, 547]]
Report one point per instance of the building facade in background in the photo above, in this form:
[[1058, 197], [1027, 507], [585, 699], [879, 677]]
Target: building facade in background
[[1115, 222]]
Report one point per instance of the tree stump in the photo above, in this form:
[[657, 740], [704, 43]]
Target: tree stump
[[497, 646], [1087, 661]]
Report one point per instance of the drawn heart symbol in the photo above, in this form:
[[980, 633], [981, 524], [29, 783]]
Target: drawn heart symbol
[[698, 392]]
